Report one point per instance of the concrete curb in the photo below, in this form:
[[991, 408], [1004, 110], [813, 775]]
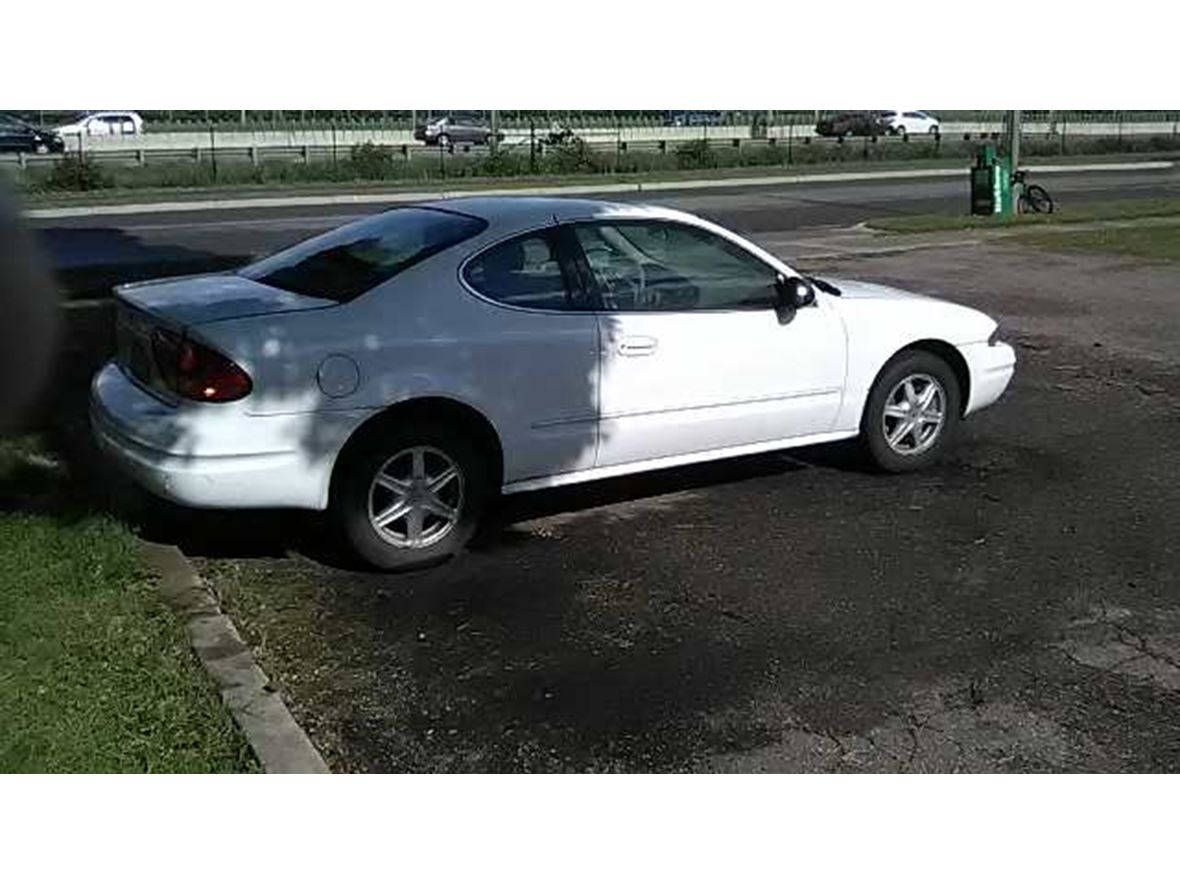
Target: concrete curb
[[276, 738], [551, 190]]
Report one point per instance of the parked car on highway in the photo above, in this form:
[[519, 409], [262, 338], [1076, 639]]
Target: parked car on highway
[[403, 369], [458, 129], [20, 136], [102, 123], [852, 123], [912, 122]]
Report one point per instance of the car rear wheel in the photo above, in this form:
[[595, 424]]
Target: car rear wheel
[[912, 412], [444, 141], [900, 130], [410, 497]]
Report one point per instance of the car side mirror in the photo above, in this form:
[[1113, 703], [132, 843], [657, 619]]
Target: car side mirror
[[791, 294]]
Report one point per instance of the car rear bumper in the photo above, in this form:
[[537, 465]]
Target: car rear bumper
[[160, 447], [991, 367]]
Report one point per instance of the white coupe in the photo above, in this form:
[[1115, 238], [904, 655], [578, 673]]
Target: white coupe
[[400, 370]]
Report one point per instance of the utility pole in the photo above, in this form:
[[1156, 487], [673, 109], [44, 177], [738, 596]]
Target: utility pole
[[495, 133], [1014, 139]]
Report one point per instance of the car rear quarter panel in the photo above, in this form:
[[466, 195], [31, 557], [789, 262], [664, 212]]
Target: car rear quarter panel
[[533, 375]]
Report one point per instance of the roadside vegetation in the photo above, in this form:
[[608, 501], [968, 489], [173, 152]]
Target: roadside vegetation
[[383, 164], [1157, 242], [95, 673], [1115, 210]]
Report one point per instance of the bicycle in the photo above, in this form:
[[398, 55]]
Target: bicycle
[[1033, 197]]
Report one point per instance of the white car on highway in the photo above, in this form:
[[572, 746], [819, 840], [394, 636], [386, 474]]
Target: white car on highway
[[911, 122], [401, 370], [102, 123]]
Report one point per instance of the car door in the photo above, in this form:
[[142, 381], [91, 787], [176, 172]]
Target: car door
[[467, 129], [12, 136], [694, 357], [538, 349]]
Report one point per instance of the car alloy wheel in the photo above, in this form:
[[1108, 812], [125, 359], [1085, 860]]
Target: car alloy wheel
[[914, 414], [416, 498]]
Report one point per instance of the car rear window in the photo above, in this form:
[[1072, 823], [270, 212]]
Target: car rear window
[[349, 261]]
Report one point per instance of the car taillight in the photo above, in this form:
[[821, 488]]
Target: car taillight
[[197, 372]]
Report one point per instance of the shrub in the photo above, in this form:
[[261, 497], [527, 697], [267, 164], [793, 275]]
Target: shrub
[[695, 154], [501, 164], [76, 172], [370, 160], [572, 155]]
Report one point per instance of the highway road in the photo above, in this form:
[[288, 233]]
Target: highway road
[[93, 251]]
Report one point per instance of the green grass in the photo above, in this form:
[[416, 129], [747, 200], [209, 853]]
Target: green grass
[[96, 675], [1116, 210], [1160, 242]]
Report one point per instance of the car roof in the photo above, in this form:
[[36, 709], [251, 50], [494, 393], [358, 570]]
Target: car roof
[[505, 212]]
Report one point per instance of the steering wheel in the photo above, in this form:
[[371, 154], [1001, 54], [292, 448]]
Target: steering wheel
[[618, 283]]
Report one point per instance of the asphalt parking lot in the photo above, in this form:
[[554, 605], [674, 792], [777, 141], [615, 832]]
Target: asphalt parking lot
[[1014, 609]]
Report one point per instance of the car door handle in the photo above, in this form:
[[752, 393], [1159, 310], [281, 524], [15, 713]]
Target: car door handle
[[637, 345]]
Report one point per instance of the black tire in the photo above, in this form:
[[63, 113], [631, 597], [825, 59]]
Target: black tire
[[1038, 198], [900, 130], [444, 141], [353, 493], [910, 364]]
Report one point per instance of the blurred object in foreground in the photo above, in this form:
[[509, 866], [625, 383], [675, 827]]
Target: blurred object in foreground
[[29, 318]]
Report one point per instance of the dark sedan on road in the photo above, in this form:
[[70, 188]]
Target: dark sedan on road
[[851, 123], [18, 136]]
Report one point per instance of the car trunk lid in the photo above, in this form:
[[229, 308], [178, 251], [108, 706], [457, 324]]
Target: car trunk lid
[[159, 309], [191, 301]]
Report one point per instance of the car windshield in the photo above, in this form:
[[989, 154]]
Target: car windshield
[[351, 260]]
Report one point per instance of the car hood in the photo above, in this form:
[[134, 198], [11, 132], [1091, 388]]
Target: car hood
[[858, 289], [208, 298], [885, 310]]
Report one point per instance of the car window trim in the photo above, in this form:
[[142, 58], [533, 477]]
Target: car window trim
[[550, 230], [596, 295]]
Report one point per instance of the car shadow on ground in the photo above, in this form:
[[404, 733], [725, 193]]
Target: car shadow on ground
[[93, 485], [498, 528]]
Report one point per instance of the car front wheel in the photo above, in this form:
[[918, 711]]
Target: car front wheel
[[410, 497], [912, 412]]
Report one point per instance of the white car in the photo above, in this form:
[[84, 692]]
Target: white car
[[400, 370], [102, 123], [912, 122]]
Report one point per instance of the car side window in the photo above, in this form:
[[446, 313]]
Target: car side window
[[666, 266], [523, 272]]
